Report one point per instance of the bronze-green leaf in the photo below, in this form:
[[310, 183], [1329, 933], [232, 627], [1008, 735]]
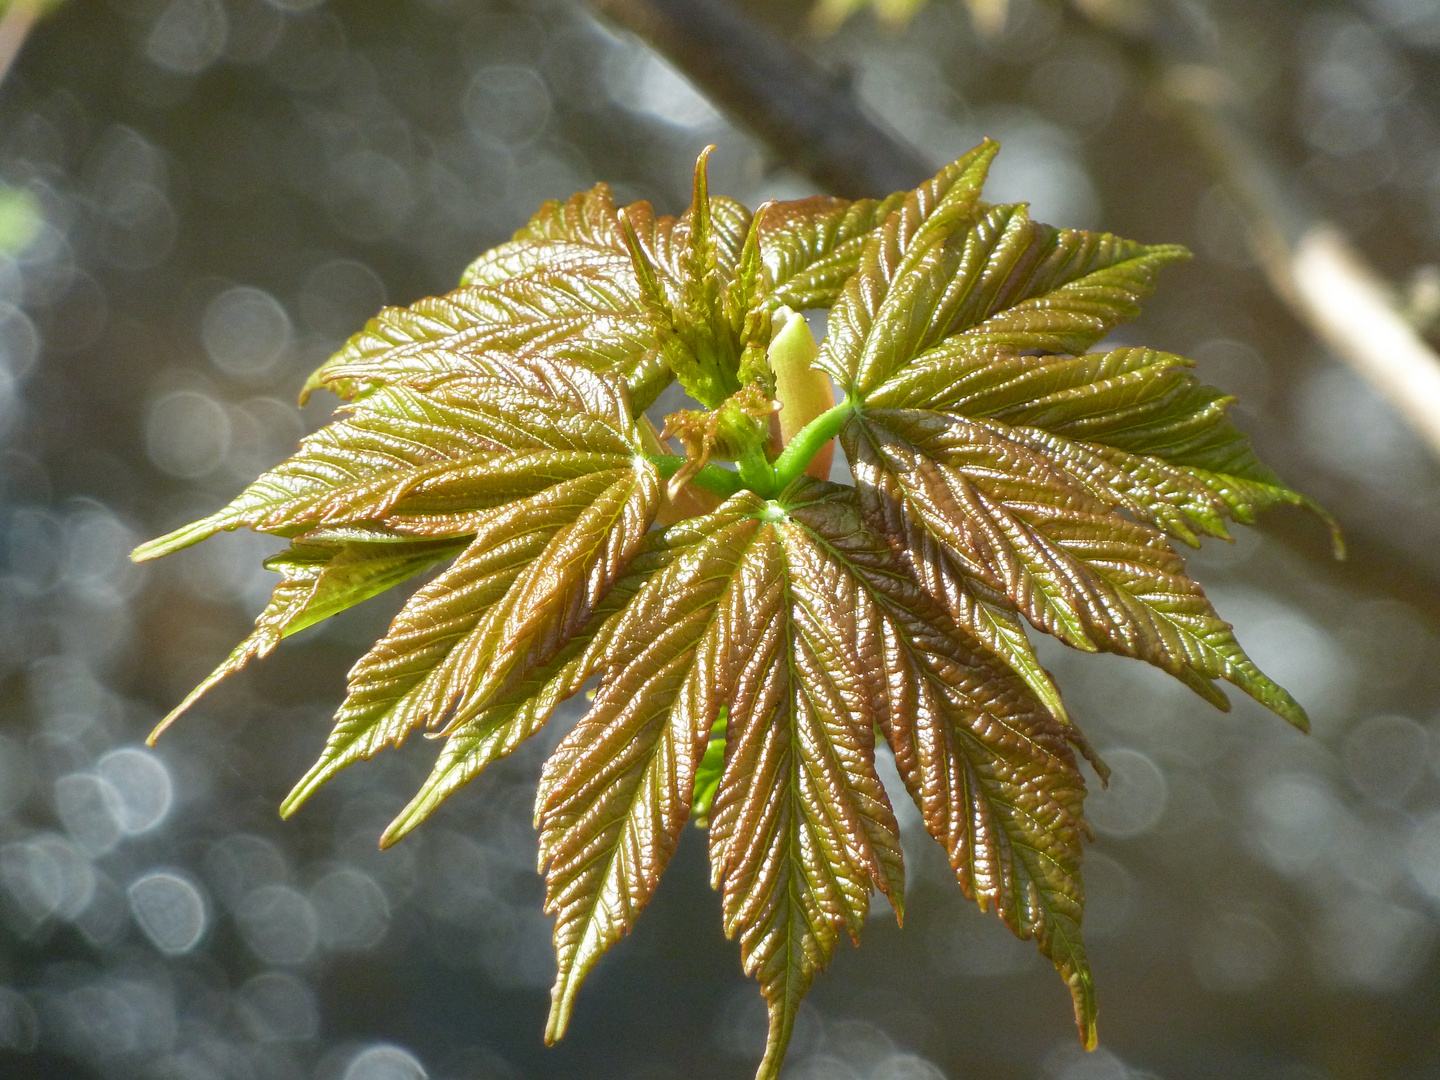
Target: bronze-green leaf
[[615, 795], [751, 632], [986, 762], [322, 576]]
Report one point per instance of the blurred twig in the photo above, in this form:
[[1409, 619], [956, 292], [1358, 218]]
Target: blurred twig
[[811, 121], [804, 114], [1326, 282], [1311, 266], [870, 160]]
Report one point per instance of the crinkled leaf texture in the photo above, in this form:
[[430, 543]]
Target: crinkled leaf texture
[[751, 645]]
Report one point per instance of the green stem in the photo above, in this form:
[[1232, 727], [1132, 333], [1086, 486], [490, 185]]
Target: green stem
[[756, 473], [765, 480], [808, 442], [712, 478]]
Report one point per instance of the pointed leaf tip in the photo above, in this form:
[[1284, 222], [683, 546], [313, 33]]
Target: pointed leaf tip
[[777, 1039], [171, 542], [1082, 990], [1005, 475], [701, 164], [173, 715]]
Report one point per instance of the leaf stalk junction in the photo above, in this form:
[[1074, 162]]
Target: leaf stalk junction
[[766, 479]]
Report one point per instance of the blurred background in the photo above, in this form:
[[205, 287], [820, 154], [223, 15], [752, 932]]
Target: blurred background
[[203, 198]]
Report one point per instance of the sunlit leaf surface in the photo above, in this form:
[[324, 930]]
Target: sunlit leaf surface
[[751, 632]]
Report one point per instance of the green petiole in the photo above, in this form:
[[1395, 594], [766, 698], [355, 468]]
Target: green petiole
[[807, 442], [766, 480], [712, 478]]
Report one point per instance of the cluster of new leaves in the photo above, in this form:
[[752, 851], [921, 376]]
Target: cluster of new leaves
[[753, 630]]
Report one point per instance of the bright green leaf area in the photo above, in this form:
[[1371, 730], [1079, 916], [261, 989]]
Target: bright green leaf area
[[755, 634]]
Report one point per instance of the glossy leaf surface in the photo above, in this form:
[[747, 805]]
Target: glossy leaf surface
[[752, 631]]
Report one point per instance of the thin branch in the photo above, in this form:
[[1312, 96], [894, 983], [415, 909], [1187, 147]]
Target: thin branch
[[1319, 274], [1324, 280], [805, 115], [873, 161], [1353, 311]]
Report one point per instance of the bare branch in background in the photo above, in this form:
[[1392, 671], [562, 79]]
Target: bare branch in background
[[812, 123], [1324, 280], [805, 116], [703, 37], [1353, 311]]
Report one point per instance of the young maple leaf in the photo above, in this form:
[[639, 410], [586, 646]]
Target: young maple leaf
[[753, 628]]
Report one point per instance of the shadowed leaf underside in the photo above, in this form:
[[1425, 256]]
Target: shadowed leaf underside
[[750, 633]]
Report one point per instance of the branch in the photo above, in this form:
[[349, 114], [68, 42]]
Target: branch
[[1325, 281], [853, 156], [1311, 266], [1352, 310], [804, 114]]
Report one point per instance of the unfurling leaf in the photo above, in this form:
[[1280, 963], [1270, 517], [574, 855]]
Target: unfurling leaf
[[753, 630]]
